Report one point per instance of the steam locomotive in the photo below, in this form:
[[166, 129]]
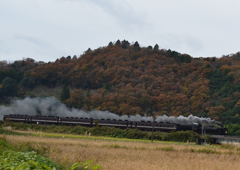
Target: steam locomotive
[[123, 124]]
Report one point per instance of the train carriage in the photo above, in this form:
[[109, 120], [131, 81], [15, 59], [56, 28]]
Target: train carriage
[[114, 123], [123, 124], [156, 126], [49, 120], [16, 118], [164, 126], [74, 121]]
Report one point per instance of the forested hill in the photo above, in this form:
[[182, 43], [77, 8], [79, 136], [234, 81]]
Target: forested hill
[[125, 78]]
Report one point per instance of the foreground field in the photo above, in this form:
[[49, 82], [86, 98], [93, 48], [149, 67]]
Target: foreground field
[[116, 155]]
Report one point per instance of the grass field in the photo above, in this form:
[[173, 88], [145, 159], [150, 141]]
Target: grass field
[[131, 154]]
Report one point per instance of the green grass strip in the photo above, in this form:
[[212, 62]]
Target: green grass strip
[[103, 138]]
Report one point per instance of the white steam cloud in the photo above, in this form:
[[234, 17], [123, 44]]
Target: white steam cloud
[[50, 106]]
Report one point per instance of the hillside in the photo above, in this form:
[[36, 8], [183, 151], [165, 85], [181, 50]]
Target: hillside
[[125, 78]]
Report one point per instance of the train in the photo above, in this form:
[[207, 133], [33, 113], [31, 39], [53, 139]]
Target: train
[[213, 129]]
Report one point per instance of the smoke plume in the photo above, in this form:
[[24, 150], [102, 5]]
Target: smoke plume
[[50, 106]]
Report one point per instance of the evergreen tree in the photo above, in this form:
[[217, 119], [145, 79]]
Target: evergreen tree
[[65, 94], [74, 57], [149, 47], [125, 44], [118, 42], [88, 50], [136, 46], [156, 47], [110, 44], [9, 87], [27, 82]]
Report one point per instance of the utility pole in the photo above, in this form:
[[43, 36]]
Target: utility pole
[[192, 131], [194, 124], [152, 129], [152, 133]]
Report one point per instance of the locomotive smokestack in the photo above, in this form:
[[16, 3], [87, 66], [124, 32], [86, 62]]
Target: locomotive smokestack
[[50, 106]]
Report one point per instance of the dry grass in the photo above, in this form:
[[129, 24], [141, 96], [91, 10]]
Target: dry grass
[[116, 155]]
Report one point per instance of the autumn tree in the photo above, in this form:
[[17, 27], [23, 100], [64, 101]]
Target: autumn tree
[[76, 99], [214, 112]]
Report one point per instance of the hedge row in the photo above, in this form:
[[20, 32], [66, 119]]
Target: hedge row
[[178, 136]]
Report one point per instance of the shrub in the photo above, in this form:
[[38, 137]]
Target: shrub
[[207, 151], [167, 148], [26, 160], [179, 136], [86, 165], [4, 145]]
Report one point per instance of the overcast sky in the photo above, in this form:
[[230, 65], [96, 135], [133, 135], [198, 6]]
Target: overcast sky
[[49, 29]]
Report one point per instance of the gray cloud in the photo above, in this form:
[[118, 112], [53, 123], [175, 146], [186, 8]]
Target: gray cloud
[[33, 40], [48, 29], [189, 42], [124, 13]]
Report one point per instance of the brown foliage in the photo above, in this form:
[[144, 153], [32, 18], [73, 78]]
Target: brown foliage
[[124, 80]]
